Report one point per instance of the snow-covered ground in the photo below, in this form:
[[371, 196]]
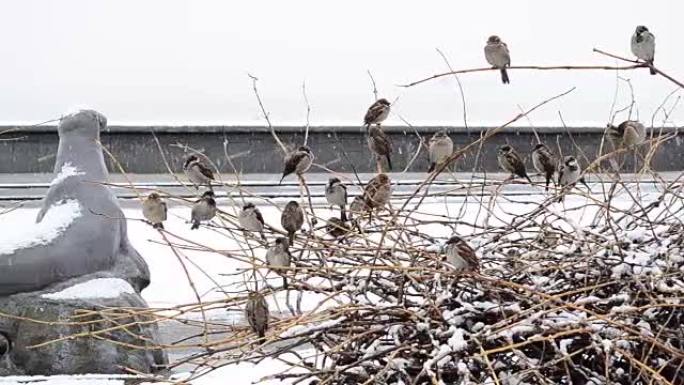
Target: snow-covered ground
[[222, 269]]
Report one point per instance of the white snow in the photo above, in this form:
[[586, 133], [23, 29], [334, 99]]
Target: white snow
[[94, 288], [66, 171], [24, 232]]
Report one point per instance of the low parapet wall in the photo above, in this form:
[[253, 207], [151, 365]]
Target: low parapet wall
[[253, 149]]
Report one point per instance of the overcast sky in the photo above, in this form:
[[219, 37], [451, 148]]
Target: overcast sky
[[173, 61]]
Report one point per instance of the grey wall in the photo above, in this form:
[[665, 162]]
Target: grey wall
[[32, 149]]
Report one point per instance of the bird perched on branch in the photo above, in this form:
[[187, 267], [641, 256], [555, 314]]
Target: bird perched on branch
[[278, 256], [569, 174], [298, 162], [377, 192], [643, 46], [377, 112], [510, 161], [154, 210], [197, 172], [460, 255], [628, 134], [544, 162], [336, 195], [204, 209], [256, 312], [380, 144], [439, 149], [250, 219], [496, 53], [292, 219]]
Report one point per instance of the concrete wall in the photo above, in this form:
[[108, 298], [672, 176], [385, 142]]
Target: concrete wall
[[253, 149]]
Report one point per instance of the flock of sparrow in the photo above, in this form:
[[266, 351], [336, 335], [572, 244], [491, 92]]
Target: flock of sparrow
[[377, 192]]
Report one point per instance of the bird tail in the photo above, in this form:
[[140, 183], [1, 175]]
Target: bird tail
[[504, 76], [432, 167], [651, 68], [195, 225], [158, 226], [528, 178], [291, 236], [548, 181], [343, 214], [584, 182], [284, 283], [389, 162], [281, 179], [262, 333]]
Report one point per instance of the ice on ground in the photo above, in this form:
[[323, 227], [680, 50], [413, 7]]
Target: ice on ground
[[94, 288], [24, 232]]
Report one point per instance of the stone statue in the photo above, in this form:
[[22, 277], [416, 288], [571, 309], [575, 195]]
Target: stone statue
[[79, 258]]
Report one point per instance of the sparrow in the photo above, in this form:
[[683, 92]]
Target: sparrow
[[628, 134], [380, 144], [250, 219], [256, 312], [197, 172], [569, 174], [292, 219], [544, 162], [298, 162], [496, 53], [336, 195], [279, 256], [154, 210], [440, 148], [377, 192], [336, 227], [377, 112], [204, 209], [510, 161], [460, 255], [643, 46]]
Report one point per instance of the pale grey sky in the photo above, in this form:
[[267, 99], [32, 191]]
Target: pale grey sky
[[173, 61]]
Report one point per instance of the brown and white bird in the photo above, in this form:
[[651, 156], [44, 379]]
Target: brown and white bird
[[154, 210], [292, 219], [497, 54], [439, 149], [510, 161], [643, 46], [250, 219], [256, 312], [460, 255], [204, 209], [377, 192], [278, 256], [544, 162], [628, 134], [380, 144], [197, 172], [569, 174], [377, 112], [336, 227], [336, 195], [298, 162]]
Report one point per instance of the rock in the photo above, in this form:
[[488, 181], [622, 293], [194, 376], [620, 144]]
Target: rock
[[58, 313]]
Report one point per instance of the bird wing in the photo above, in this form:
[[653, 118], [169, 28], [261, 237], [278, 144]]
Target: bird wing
[[206, 171], [259, 217], [382, 142], [515, 161], [292, 162], [373, 112], [547, 161]]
